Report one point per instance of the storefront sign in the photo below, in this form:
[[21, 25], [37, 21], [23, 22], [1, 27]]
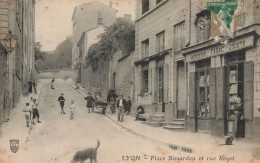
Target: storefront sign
[[221, 49]]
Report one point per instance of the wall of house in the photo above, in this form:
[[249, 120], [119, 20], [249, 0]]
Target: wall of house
[[85, 18], [167, 13]]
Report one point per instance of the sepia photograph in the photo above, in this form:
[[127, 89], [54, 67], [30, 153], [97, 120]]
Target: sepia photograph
[[129, 81]]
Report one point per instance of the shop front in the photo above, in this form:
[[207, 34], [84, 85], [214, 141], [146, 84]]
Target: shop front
[[221, 82]]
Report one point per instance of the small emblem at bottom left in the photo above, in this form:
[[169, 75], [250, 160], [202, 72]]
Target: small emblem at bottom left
[[14, 145]]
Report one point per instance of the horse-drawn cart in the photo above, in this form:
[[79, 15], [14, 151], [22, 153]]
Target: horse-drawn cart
[[100, 104]]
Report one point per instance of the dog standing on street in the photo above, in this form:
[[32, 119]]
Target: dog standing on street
[[90, 153]]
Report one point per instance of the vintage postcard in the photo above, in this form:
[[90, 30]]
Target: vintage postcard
[[129, 81]]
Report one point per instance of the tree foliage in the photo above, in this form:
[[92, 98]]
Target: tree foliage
[[118, 36], [61, 57]]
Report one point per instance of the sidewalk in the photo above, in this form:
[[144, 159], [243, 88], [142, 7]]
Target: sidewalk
[[16, 128], [198, 143]]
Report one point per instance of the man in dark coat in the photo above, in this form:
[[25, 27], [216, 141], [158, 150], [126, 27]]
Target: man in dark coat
[[90, 102], [140, 110], [61, 99], [52, 82], [111, 99]]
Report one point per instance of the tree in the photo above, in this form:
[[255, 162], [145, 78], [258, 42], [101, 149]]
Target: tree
[[118, 36]]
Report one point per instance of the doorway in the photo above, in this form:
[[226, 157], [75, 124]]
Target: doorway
[[235, 124], [181, 90], [161, 106]]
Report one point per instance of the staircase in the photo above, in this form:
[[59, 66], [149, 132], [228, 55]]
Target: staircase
[[176, 125], [156, 120]]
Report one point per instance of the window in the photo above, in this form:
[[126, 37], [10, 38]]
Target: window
[[145, 77], [179, 36], [158, 1], [203, 26], [160, 42], [145, 47], [100, 18], [145, 6], [203, 89]]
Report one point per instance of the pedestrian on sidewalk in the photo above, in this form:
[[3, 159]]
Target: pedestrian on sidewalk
[[121, 104], [52, 82], [72, 110], [34, 85], [28, 112], [90, 102], [61, 99], [128, 106], [35, 112], [111, 99]]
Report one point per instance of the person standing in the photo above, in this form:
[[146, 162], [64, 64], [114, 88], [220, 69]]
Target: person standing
[[72, 110], [28, 112], [35, 112], [30, 86], [90, 102], [128, 106], [34, 85], [121, 104], [111, 99], [61, 99], [240, 122], [52, 82]]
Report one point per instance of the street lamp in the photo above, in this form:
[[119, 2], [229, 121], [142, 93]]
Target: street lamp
[[10, 41]]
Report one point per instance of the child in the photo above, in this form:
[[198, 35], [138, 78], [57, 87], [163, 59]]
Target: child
[[35, 111], [72, 110], [61, 99], [27, 111]]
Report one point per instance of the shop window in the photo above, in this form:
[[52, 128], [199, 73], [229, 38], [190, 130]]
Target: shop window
[[203, 94], [145, 47], [179, 36], [160, 42], [160, 84], [145, 6], [203, 26]]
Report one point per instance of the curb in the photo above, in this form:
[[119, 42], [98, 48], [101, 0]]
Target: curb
[[154, 141]]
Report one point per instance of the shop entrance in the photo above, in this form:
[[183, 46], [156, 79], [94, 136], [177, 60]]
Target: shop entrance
[[181, 90], [235, 123]]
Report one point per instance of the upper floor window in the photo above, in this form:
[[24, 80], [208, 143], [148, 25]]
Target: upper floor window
[[203, 26], [145, 6], [179, 36], [145, 47], [160, 42], [158, 1], [100, 18]]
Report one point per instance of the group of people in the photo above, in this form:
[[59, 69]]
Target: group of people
[[61, 99], [31, 112]]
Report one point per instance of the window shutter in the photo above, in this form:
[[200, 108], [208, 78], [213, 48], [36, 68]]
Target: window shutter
[[192, 94], [166, 77], [220, 107], [212, 93], [248, 90]]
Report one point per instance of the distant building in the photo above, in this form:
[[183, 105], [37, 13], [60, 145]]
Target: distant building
[[89, 16], [17, 64]]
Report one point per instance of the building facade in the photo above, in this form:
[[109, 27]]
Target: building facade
[[85, 17], [17, 19], [189, 67]]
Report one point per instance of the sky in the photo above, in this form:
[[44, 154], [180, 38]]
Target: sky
[[53, 18]]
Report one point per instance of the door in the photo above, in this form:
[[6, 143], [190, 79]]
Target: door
[[160, 89], [235, 124], [181, 90]]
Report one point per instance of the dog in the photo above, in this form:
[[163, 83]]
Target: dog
[[90, 153]]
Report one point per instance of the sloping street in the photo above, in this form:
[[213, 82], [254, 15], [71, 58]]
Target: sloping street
[[58, 138]]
